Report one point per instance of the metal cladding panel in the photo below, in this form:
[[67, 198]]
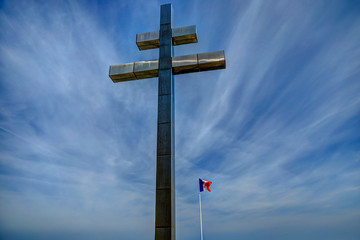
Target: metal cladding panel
[[164, 171], [148, 40], [166, 14], [165, 233], [181, 35], [122, 72], [165, 87], [211, 61], [185, 64], [146, 69], [184, 35], [163, 207], [165, 139], [164, 109]]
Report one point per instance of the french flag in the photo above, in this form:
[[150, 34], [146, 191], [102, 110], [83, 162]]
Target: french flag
[[204, 185]]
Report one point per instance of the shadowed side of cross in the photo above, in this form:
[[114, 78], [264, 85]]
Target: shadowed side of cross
[[181, 64]]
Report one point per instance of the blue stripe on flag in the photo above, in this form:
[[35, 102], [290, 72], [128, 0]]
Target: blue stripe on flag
[[201, 185]]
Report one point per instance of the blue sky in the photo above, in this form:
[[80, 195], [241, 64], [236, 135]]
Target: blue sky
[[277, 131]]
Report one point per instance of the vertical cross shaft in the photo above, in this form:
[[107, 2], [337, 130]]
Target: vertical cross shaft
[[165, 174]]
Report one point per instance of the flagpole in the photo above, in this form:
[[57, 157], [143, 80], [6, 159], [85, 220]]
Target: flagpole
[[201, 230]]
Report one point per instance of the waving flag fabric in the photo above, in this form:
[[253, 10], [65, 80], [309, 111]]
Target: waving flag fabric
[[204, 185]]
